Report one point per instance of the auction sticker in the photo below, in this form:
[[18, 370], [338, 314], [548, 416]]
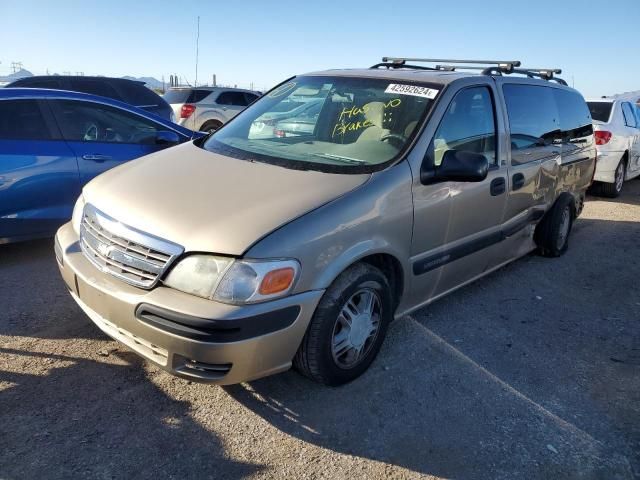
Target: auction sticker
[[414, 90]]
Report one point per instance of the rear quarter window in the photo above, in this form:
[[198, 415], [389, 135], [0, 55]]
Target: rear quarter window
[[28, 83], [575, 117], [138, 95]]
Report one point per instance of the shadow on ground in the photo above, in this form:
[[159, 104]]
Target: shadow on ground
[[88, 419], [34, 300]]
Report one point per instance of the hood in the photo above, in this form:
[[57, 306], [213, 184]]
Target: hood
[[208, 202]]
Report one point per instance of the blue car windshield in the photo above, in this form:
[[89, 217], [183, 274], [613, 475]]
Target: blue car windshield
[[327, 123]]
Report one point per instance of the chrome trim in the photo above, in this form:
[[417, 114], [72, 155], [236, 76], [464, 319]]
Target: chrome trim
[[133, 256]]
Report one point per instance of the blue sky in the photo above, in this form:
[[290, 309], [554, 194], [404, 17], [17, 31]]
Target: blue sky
[[264, 42]]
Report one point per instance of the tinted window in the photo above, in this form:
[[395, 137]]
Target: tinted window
[[94, 87], [600, 111], [198, 95], [533, 120], [137, 94], [93, 122], [232, 98], [468, 125], [22, 120], [629, 117], [177, 95], [38, 83], [186, 95], [250, 98], [575, 118]]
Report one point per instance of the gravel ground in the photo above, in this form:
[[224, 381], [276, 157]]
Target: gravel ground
[[532, 372]]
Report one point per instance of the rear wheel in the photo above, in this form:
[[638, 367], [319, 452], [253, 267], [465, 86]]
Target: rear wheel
[[210, 126], [613, 190], [552, 233], [347, 328]]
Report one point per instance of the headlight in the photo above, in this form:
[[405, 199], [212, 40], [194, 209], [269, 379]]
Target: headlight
[[233, 281], [76, 217]]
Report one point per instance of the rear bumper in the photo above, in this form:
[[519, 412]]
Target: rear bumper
[[185, 335], [606, 166]]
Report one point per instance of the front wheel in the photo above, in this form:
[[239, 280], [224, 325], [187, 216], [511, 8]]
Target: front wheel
[[347, 328]]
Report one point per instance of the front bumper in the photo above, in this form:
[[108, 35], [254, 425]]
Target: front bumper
[[188, 336]]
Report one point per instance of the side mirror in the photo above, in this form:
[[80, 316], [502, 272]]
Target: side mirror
[[167, 137], [458, 166]]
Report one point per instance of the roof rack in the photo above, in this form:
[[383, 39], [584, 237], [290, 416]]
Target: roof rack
[[401, 62], [489, 67]]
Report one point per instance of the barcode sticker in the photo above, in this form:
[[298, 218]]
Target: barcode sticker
[[414, 90]]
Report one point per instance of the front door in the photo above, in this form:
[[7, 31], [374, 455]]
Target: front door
[[38, 172], [457, 224], [103, 136]]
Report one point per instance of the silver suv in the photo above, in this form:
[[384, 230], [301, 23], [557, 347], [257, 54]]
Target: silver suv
[[234, 256], [206, 109]]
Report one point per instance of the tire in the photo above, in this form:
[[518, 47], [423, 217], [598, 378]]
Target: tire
[[613, 190], [328, 353], [210, 126], [552, 233]]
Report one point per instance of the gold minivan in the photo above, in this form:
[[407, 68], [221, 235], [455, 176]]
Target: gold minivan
[[336, 202]]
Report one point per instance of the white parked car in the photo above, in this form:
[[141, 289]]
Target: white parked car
[[206, 109], [616, 125]]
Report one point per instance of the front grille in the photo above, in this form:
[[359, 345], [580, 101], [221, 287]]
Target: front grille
[[133, 256]]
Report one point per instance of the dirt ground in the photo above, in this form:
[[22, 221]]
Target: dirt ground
[[532, 372]]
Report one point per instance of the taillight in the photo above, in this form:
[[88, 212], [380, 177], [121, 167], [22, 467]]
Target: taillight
[[279, 133], [602, 137], [186, 110]]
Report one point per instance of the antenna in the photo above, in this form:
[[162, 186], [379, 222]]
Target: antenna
[[195, 84]]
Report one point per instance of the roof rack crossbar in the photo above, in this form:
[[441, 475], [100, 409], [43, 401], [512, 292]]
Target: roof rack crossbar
[[515, 63], [400, 65]]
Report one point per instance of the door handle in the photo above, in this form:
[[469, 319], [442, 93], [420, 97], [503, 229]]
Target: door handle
[[498, 186], [518, 182], [96, 157]]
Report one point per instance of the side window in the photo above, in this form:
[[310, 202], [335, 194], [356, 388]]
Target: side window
[[94, 88], [225, 98], [41, 84], [198, 95], [575, 117], [468, 125], [533, 120], [94, 122], [629, 117], [22, 120], [232, 98], [250, 98]]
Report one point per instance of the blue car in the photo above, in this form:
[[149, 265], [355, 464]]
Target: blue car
[[52, 142]]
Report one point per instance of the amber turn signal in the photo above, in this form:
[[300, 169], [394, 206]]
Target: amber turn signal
[[276, 281]]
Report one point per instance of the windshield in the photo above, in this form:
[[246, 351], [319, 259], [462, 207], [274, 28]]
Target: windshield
[[339, 124], [600, 111]]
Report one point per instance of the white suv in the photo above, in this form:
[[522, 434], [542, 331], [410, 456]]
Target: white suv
[[207, 108], [616, 125]]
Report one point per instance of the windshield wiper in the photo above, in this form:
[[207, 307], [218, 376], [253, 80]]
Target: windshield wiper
[[350, 160]]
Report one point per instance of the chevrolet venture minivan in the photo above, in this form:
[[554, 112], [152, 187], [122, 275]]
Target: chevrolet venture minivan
[[231, 257]]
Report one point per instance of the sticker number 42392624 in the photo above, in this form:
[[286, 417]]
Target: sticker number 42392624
[[414, 90]]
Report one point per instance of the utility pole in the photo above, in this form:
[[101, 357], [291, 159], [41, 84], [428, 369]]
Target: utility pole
[[195, 84], [16, 66], [214, 79]]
